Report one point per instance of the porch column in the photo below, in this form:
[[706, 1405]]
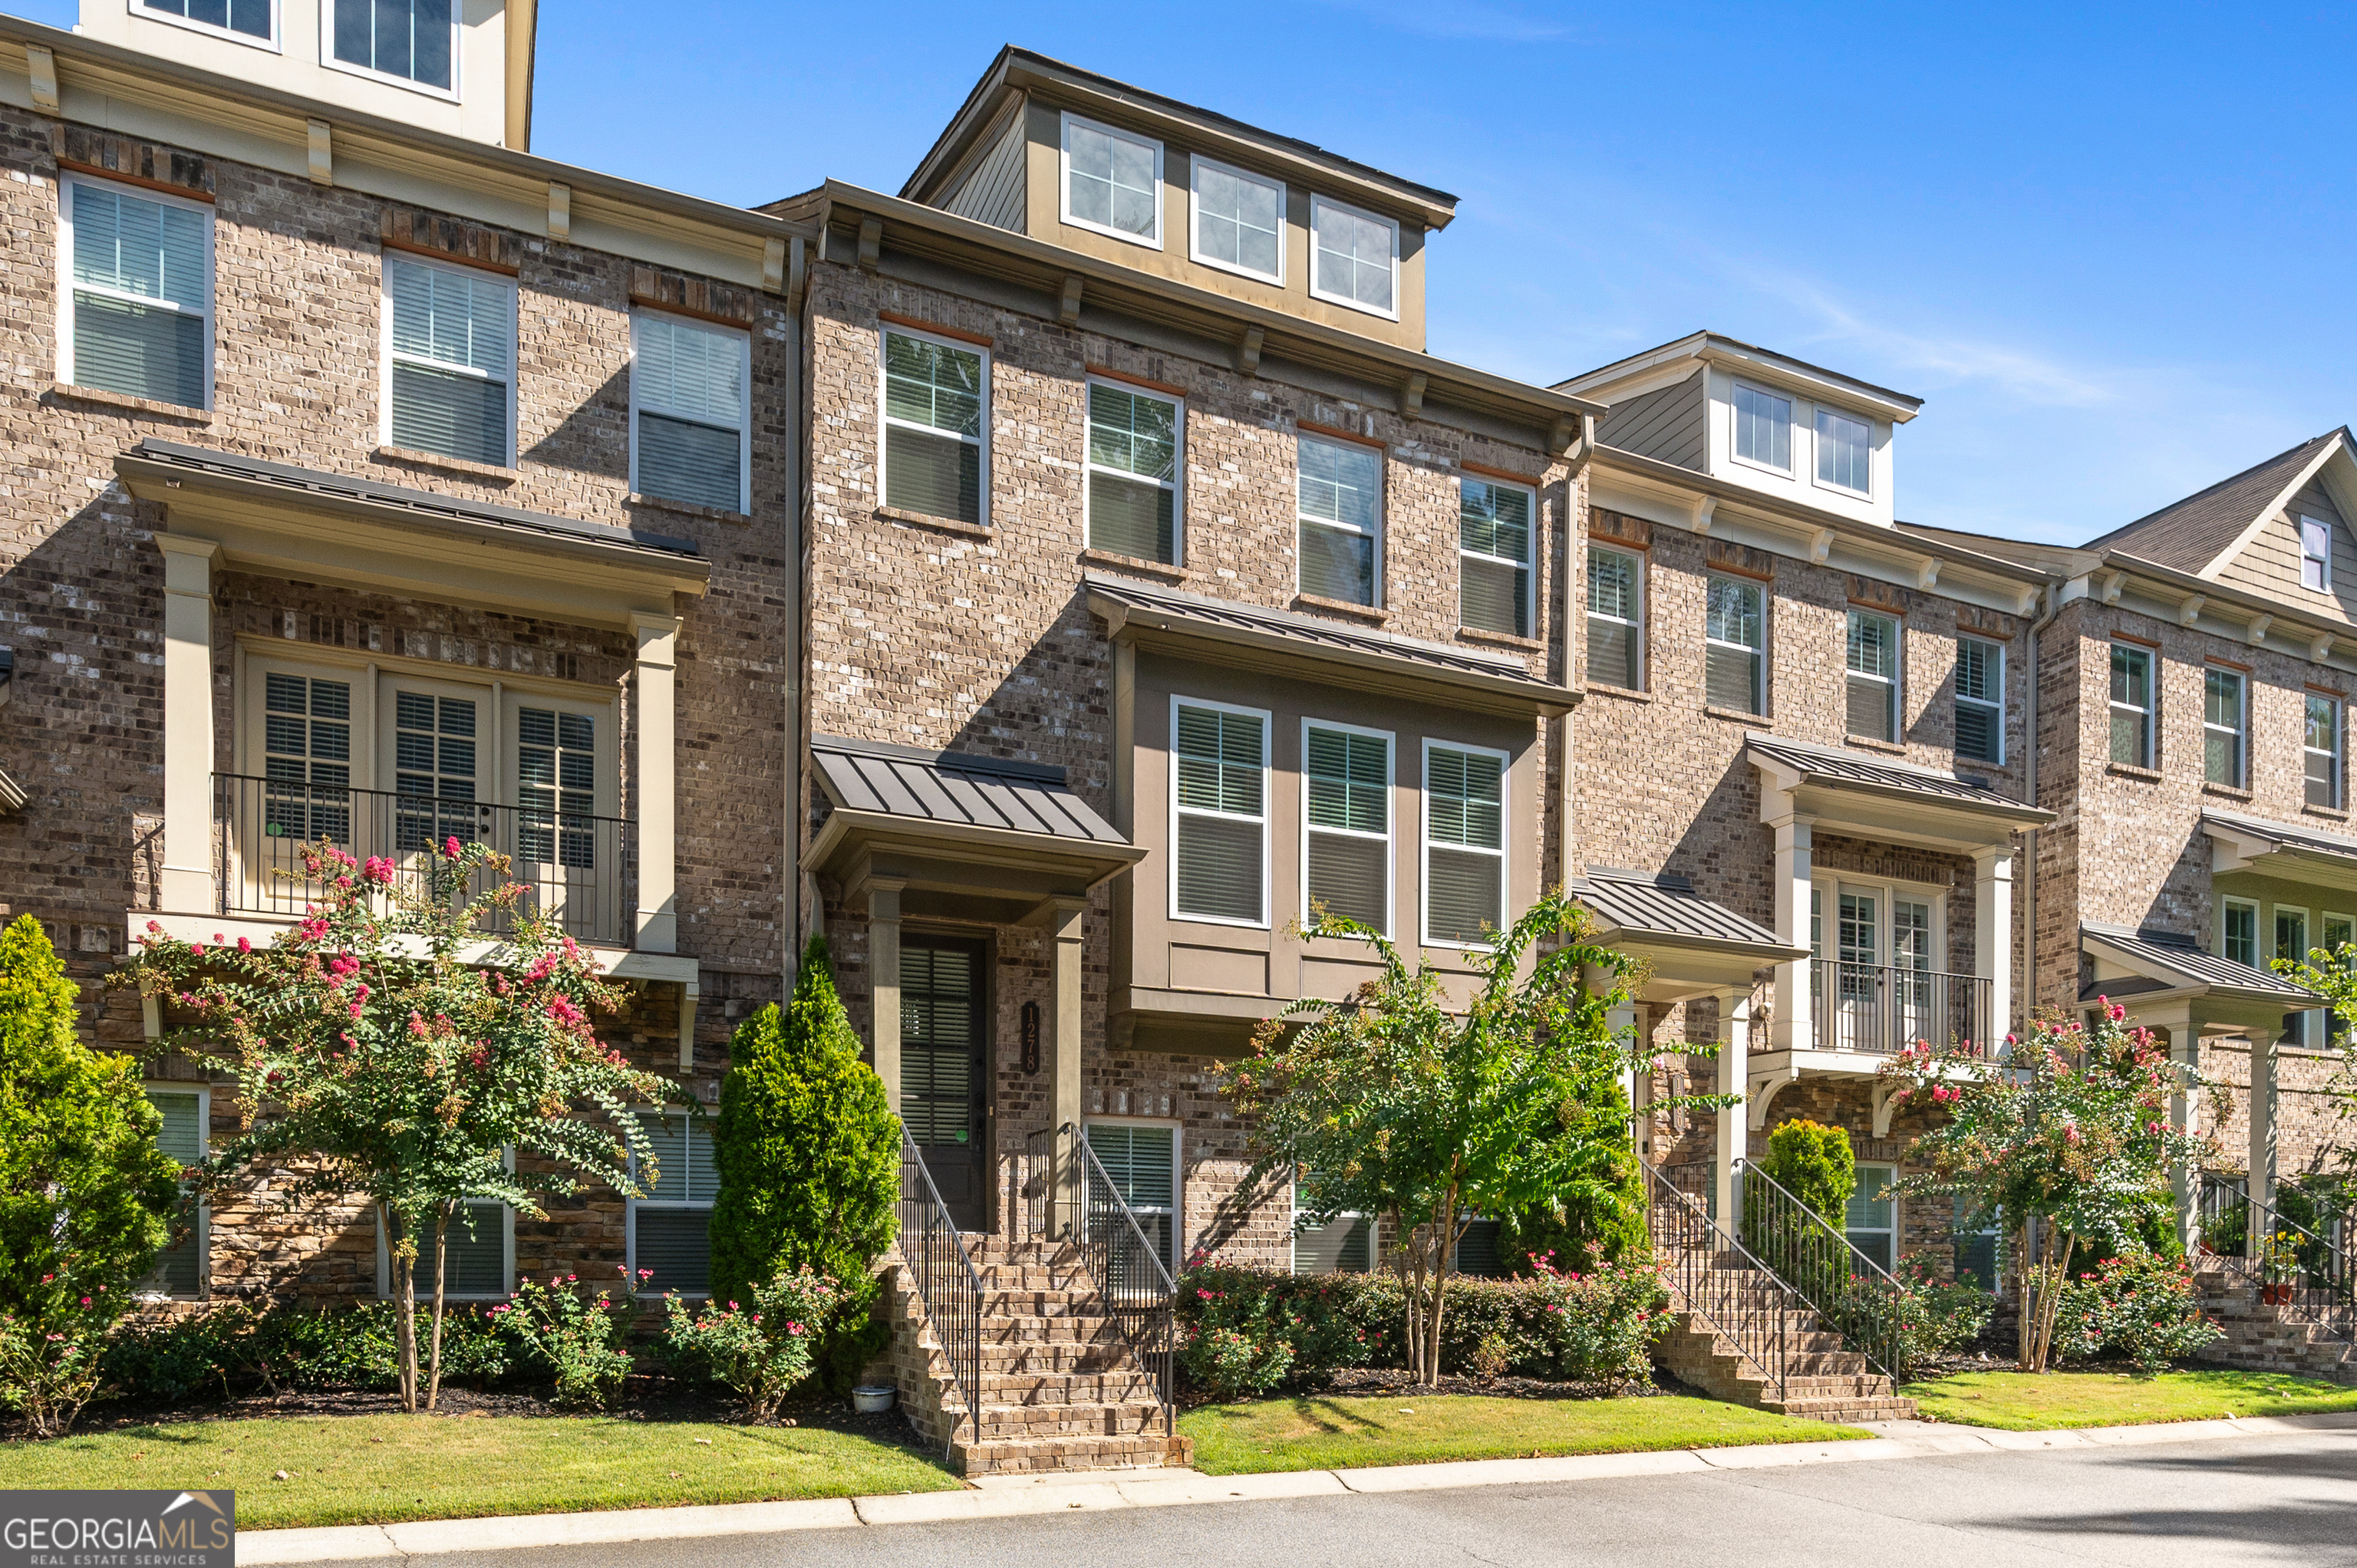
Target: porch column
[[884, 985], [1067, 932], [188, 723], [656, 923], [2262, 1130], [1734, 1039], [1791, 1030], [1993, 937]]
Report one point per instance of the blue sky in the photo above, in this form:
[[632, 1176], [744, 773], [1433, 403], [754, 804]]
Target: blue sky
[[2110, 246]]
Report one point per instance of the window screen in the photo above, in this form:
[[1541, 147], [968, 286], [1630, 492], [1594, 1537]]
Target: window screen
[[2222, 727], [2131, 706], [452, 345], [179, 1267], [1341, 499], [1465, 862], [1116, 181], [1238, 221], [1353, 260], [2321, 747], [1614, 623], [1980, 700], [669, 1226], [306, 758], [1734, 646], [1873, 659], [407, 38], [556, 786], [1133, 462], [1493, 543], [933, 428], [1845, 448], [475, 1260], [1763, 428]]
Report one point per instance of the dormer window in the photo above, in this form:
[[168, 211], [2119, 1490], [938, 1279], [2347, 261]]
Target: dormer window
[[413, 42], [1239, 221], [1845, 449], [1763, 428], [2315, 554], [1113, 182], [1355, 259], [246, 21]]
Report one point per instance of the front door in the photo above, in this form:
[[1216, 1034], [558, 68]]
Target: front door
[[1858, 1014], [944, 1078]]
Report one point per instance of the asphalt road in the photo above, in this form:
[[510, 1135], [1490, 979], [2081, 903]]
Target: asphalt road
[[2259, 1499]]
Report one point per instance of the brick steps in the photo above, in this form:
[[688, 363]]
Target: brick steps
[[2265, 1339], [1030, 1455]]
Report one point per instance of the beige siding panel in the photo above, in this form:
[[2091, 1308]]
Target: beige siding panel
[[1668, 424], [2269, 563], [993, 193]]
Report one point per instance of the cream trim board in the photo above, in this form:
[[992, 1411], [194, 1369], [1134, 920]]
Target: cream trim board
[[1197, 163], [744, 403], [1506, 838], [451, 94], [1317, 203], [274, 43], [1391, 813], [1267, 812], [1068, 119], [65, 367], [259, 647]]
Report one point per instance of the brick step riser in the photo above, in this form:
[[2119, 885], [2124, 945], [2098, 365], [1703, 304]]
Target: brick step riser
[[1023, 1456]]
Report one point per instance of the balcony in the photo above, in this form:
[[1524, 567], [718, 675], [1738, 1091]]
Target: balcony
[[581, 870], [1881, 1009]]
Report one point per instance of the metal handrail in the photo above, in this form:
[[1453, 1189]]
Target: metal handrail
[[953, 1296], [1035, 1181], [2325, 1292], [1844, 1285], [1746, 1304], [1141, 1299], [1884, 1008]]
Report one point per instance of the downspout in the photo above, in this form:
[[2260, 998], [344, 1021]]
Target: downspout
[[798, 262], [1575, 515], [2030, 787]]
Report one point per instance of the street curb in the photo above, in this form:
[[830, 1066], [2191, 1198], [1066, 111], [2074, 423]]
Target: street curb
[[1098, 1491]]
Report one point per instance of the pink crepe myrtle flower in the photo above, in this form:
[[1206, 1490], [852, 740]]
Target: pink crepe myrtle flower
[[563, 1010], [450, 847], [378, 870], [246, 944]]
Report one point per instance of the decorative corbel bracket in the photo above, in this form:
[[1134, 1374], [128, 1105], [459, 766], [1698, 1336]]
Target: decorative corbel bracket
[[1248, 346], [1706, 508], [1068, 306], [2189, 609]]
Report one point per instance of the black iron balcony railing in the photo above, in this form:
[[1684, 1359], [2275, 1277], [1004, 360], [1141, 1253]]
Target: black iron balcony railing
[[2291, 1265], [1884, 1009], [578, 868]]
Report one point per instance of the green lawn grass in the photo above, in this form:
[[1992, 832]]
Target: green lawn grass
[[1320, 1432], [378, 1469], [2032, 1401]]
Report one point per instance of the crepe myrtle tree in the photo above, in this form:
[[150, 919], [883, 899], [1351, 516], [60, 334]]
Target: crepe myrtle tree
[[2332, 973], [1404, 1103], [2069, 1126], [388, 1047]]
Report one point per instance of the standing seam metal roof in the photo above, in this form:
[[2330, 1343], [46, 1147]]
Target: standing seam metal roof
[[1667, 905], [2185, 957], [956, 787], [1842, 767], [2286, 834]]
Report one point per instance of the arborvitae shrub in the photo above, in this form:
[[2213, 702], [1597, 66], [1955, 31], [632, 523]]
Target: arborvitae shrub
[[1815, 1164]]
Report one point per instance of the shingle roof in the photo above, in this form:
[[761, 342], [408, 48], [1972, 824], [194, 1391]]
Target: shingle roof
[[2186, 963], [2287, 834], [955, 788], [1848, 767], [2188, 535], [1662, 905]]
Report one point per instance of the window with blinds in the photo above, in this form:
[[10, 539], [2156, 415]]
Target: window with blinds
[[1494, 535], [414, 41], [451, 356], [1464, 845], [940, 1041], [1341, 502], [139, 310], [1734, 646], [556, 788], [933, 419], [1347, 817], [670, 1226], [1615, 623], [252, 19], [307, 737], [434, 781], [1845, 451], [1112, 181], [1220, 813], [473, 1253], [1142, 1162], [1872, 711], [688, 393], [1133, 473], [179, 1268], [1872, 1219], [1355, 257], [1980, 700]]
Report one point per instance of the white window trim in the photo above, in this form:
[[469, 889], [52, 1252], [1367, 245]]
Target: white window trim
[[274, 43], [1383, 487], [1265, 819], [1197, 164], [884, 420], [2260, 935], [1636, 623], [631, 1207], [1897, 1230], [1178, 483], [1391, 813], [387, 358], [2151, 703], [2242, 731], [388, 1281], [1177, 1131], [744, 410], [1505, 837], [204, 1236], [66, 285], [2300, 528], [1894, 679], [1064, 180], [1997, 708], [1318, 204], [1530, 567], [1816, 457], [1792, 428], [1825, 890], [2339, 745], [449, 94], [1759, 695]]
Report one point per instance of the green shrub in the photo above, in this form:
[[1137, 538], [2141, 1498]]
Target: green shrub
[[1930, 1318], [1815, 1164], [2145, 1308], [1588, 1231], [579, 1341], [761, 1350], [809, 1157]]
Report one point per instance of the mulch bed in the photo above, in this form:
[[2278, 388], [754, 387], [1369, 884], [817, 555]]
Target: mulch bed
[[1384, 1382]]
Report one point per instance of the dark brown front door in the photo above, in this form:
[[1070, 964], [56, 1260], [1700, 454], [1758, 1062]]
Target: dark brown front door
[[944, 1073]]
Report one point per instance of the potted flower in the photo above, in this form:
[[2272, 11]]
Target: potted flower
[[2278, 1268]]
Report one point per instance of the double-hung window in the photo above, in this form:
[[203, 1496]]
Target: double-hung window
[[179, 1268], [1980, 700], [1464, 844], [1219, 808], [450, 360], [1494, 540], [1763, 428], [2239, 931], [1238, 221], [1141, 1161], [1734, 646], [2321, 747], [412, 42], [1354, 258], [1871, 1222], [936, 423], [1133, 472], [2131, 706], [478, 1253], [691, 412], [1616, 636], [2225, 727], [1113, 182], [1347, 821], [243, 21], [1341, 508], [2316, 554], [1873, 659], [136, 308], [1845, 452], [2291, 946], [670, 1224]]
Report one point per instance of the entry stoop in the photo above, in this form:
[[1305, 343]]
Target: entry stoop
[[1823, 1381]]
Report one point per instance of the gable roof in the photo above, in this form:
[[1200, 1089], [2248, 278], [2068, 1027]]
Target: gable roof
[[2191, 534]]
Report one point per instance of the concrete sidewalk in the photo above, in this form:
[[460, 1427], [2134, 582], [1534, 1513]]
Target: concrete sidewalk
[[1002, 1497]]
